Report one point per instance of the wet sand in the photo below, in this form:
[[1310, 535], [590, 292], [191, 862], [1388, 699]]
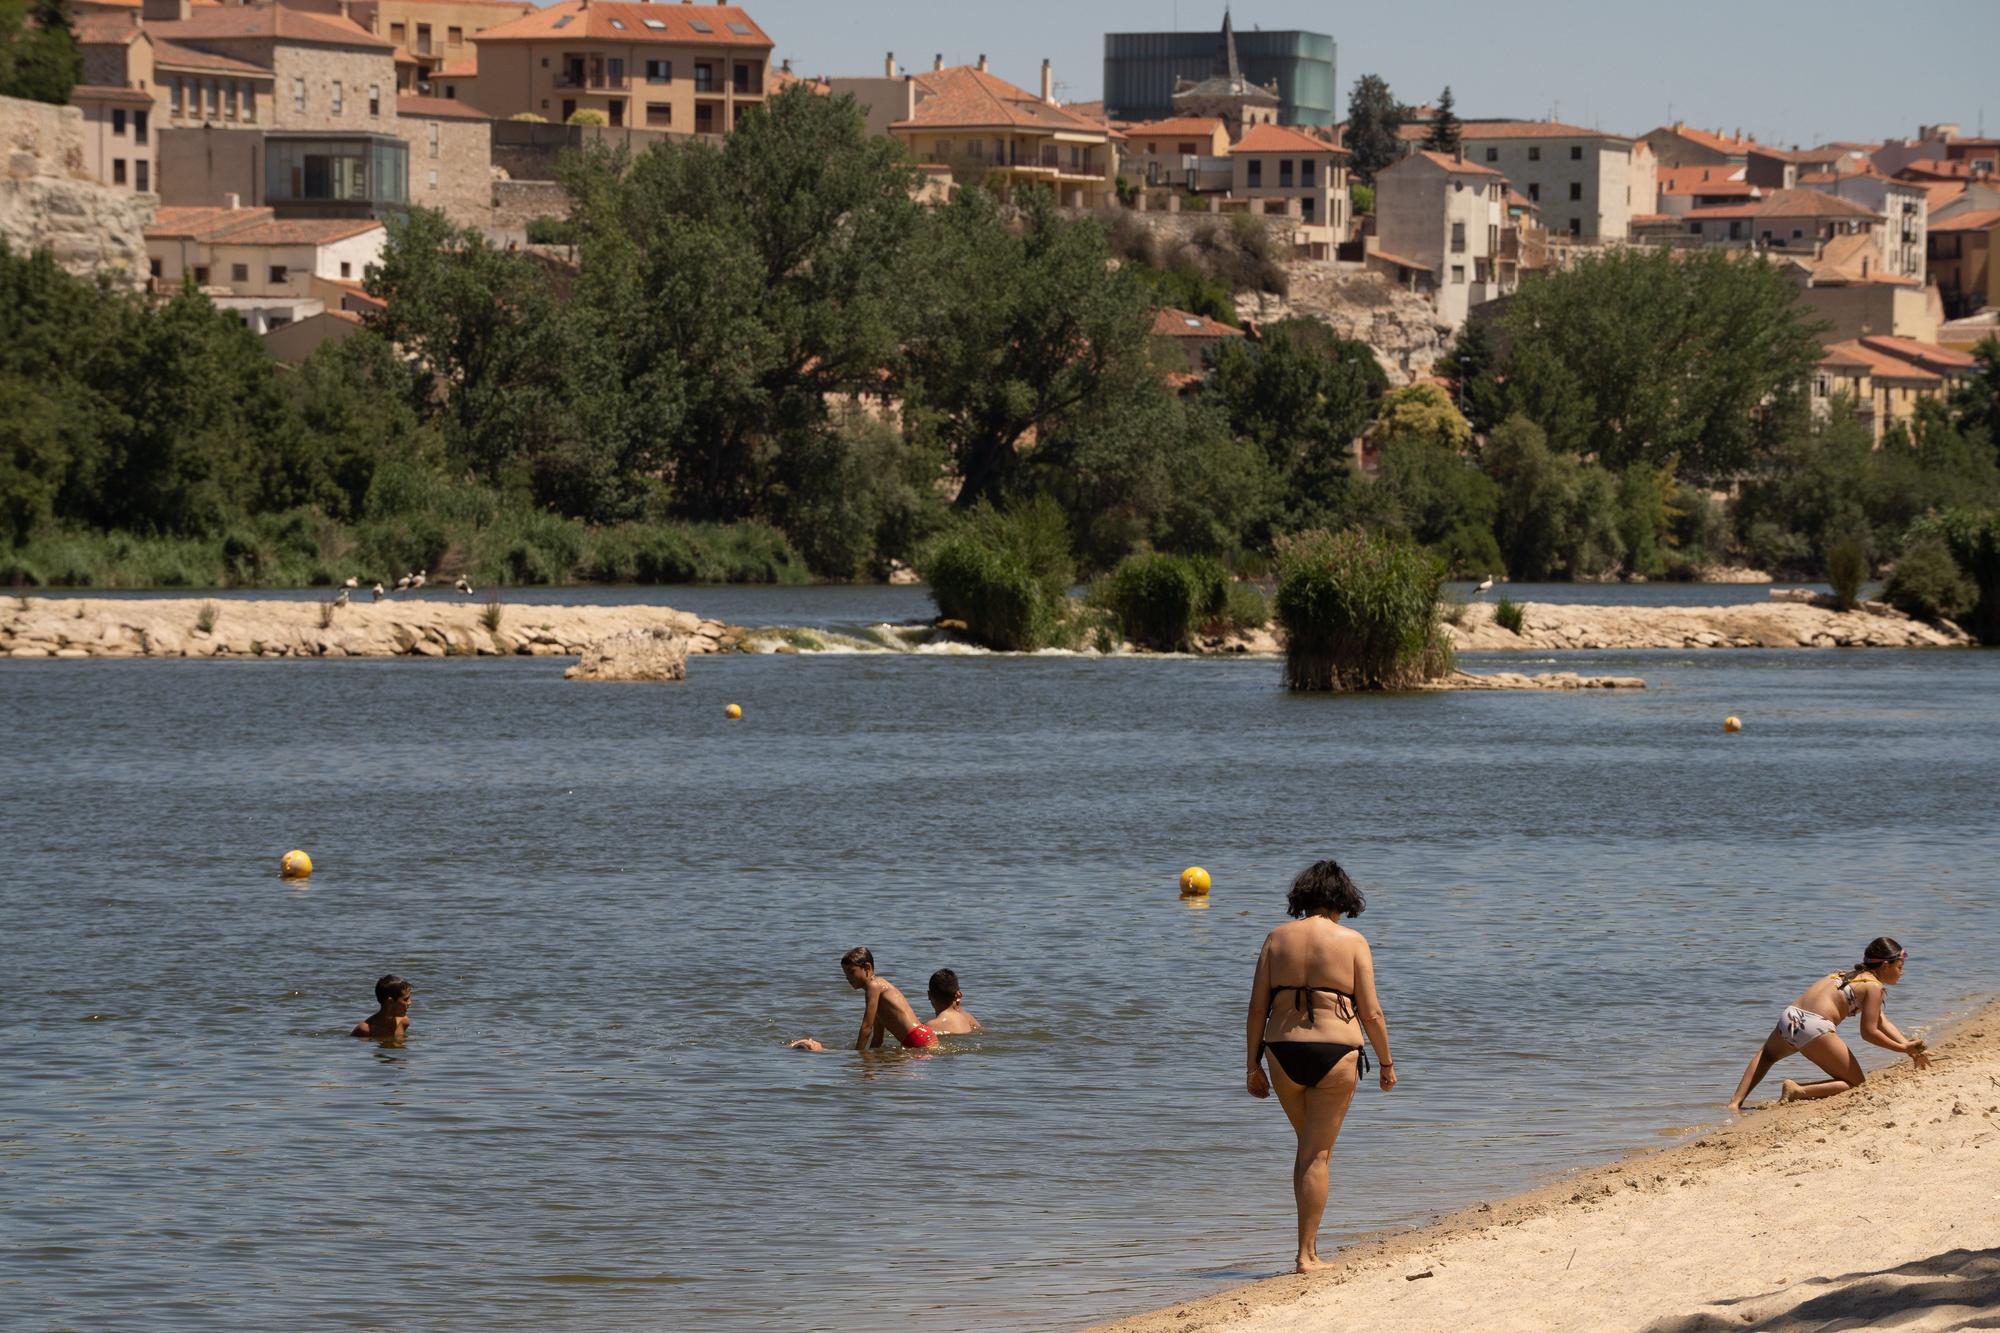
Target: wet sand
[[1877, 1208]]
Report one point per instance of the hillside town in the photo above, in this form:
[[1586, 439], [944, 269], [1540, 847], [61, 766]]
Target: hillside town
[[265, 155]]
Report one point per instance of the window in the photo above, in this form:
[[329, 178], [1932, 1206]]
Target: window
[[118, 171], [298, 94], [1535, 153], [334, 105], [455, 36], [250, 102], [616, 67], [659, 71], [1576, 227], [174, 96], [1534, 192], [569, 108], [617, 108], [659, 114], [742, 79], [1493, 155], [1576, 152], [398, 32], [1797, 234], [1576, 189], [423, 39], [654, 24], [700, 25], [118, 120], [740, 29], [142, 175], [276, 321], [1284, 173], [153, 267], [374, 99], [618, 24], [201, 275], [1458, 273], [1306, 173], [279, 274], [431, 137], [239, 273], [1307, 207], [1256, 173], [434, 185], [562, 22], [704, 77], [229, 101], [1458, 238], [214, 100]]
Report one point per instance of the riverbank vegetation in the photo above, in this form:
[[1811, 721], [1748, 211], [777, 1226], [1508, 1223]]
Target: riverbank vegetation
[[1361, 612], [763, 360]]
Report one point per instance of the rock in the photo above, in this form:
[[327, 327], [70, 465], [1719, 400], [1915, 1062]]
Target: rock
[[653, 653], [902, 576], [1551, 680]]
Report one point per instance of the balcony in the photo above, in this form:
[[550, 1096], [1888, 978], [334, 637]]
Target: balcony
[[596, 79]]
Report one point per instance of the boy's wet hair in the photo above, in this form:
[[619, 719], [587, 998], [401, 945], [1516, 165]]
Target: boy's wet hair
[[944, 987], [857, 957], [391, 986]]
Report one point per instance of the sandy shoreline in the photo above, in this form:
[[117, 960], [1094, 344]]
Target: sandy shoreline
[[1878, 1208]]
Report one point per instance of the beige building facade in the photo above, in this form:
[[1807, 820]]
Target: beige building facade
[[1279, 162], [682, 69], [258, 266], [1447, 216], [1885, 378], [1586, 184], [451, 157], [984, 127]]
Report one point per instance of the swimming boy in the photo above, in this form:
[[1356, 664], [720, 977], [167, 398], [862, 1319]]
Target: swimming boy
[[391, 1019], [885, 1009], [949, 1004]]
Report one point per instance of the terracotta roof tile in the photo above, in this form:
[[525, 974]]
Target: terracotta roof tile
[[1720, 143], [1452, 164], [1718, 180], [1879, 365], [1929, 355], [1281, 139], [965, 96], [1172, 323], [105, 29], [1179, 125], [1398, 259], [203, 224], [264, 22], [1789, 204], [172, 56], [301, 231], [438, 108], [1530, 129], [605, 20], [1978, 220], [465, 67], [98, 92]]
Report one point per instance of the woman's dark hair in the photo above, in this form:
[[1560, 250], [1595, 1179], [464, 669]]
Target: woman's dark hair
[[1324, 887], [1880, 950], [857, 958]]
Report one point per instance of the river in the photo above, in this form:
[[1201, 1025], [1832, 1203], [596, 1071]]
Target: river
[[615, 905]]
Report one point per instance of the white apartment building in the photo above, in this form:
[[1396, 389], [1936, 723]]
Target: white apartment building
[[1587, 184], [1438, 212]]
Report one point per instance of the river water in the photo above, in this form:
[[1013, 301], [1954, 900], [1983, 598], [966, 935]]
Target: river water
[[616, 905]]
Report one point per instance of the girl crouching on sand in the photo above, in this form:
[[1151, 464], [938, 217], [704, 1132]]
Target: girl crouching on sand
[[1313, 995], [1807, 1026]]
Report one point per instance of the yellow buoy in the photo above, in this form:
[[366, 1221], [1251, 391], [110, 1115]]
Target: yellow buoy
[[1194, 882], [1732, 724], [296, 865], [733, 712]]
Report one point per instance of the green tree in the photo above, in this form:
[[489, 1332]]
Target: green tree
[[39, 58], [1446, 130], [1373, 117], [1537, 490], [1436, 495], [1650, 354], [1423, 412], [1472, 366]]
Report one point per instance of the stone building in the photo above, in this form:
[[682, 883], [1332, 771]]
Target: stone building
[[327, 72], [1279, 162], [268, 271], [1682, 145], [1904, 208], [1963, 250], [1886, 378], [1446, 216], [451, 157], [1586, 183]]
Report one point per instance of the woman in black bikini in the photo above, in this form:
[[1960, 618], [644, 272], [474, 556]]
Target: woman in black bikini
[[1313, 995]]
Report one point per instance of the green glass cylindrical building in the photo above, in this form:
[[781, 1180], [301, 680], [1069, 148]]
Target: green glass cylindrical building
[[1141, 70]]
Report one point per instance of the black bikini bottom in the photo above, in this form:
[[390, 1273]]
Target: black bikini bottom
[[1306, 1063]]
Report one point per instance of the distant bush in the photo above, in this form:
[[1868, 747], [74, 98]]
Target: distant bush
[[1846, 570], [1006, 575], [1160, 599], [1360, 612], [1247, 608], [529, 118], [551, 231], [1973, 538], [587, 116], [1507, 615], [1927, 582]]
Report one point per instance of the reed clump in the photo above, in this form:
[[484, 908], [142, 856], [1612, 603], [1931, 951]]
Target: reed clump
[[1360, 611], [1508, 616], [489, 616], [1006, 575], [204, 619], [326, 614]]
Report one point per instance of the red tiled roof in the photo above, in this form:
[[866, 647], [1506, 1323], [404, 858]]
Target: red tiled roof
[[1720, 143], [1529, 129], [1789, 204], [1929, 355], [1930, 168], [104, 29], [96, 92], [1398, 259], [437, 108], [1878, 365], [172, 55], [1713, 179], [202, 224], [1281, 139], [966, 96], [465, 67], [1181, 126], [1172, 323], [301, 231], [1938, 193], [252, 226], [604, 20], [1978, 220], [403, 57], [1450, 163], [265, 22]]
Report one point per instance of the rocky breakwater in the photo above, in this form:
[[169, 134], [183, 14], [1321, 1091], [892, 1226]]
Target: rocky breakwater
[[77, 627], [1549, 626], [655, 653]]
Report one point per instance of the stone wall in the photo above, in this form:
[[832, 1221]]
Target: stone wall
[[515, 203], [1400, 326], [451, 166], [47, 202]]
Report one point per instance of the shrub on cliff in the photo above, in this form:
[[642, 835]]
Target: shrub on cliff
[[1160, 599], [1360, 611], [1005, 574], [1846, 570], [1973, 538], [1927, 583]]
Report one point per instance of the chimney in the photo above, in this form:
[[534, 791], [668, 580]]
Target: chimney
[[889, 65], [164, 11], [937, 62], [909, 97], [232, 201], [785, 66], [1048, 83], [982, 62], [1679, 125]]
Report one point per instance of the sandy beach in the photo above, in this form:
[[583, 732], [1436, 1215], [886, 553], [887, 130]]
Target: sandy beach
[[1876, 1209]]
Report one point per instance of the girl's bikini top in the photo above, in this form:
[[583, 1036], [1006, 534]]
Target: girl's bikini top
[[1845, 989], [1343, 1001]]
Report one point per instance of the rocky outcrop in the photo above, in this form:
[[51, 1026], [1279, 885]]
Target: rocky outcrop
[[1547, 680], [1775, 624], [47, 202], [655, 653], [398, 627], [1401, 326]]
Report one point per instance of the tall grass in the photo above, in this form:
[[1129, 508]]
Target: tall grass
[[1159, 600], [1846, 570], [1360, 611], [1006, 575]]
